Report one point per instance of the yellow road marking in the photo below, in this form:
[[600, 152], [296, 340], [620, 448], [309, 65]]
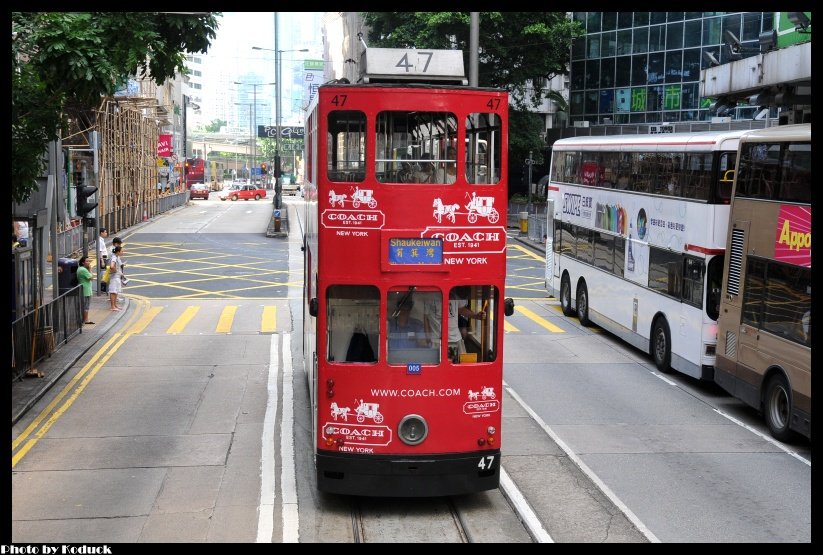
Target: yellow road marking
[[508, 327], [180, 324], [527, 252], [78, 383], [539, 320], [226, 319], [268, 323]]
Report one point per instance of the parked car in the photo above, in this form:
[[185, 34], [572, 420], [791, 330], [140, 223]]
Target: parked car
[[199, 190], [245, 191]]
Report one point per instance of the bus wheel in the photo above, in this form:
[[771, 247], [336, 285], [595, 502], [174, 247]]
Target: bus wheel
[[583, 304], [662, 346], [777, 407], [566, 296]]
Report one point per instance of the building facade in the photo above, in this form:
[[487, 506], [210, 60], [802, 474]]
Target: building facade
[[644, 67]]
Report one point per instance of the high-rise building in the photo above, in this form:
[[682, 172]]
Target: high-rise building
[[644, 67]]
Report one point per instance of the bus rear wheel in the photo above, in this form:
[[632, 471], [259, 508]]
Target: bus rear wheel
[[777, 407], [662, 346], [583, 304], [566, 296]]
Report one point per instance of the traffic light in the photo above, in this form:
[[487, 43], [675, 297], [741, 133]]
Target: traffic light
[[84, 204], [264, 168]]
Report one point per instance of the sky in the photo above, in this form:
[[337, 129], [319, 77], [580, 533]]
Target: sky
[[231, 58]]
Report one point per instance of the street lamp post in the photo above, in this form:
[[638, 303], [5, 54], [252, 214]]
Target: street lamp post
[[254, 123], [278, 61]]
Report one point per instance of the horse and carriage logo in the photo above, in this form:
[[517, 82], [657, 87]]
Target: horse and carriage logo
[[362, 411], [478, 206], [359, 196]]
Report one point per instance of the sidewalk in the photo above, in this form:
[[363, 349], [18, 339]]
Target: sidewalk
[[27, 391]]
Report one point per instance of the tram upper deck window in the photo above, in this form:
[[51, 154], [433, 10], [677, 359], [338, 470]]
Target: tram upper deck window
[[484, 140], [346, 144], [411, 146], [352, 323]]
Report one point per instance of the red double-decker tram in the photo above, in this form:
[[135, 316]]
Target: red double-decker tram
[[405, 261]]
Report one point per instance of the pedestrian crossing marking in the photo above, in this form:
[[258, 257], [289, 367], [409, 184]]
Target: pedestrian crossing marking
[[226, 319], [268, 322], [539, 320], [180, 324]]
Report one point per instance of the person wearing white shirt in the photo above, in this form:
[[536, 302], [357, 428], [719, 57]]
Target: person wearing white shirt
[[102, 253]]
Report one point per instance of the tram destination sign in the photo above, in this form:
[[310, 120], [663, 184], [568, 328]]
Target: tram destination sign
[[415, 250]]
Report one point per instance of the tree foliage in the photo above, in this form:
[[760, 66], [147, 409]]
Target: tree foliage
[[215, 126], [516, 49], [63, 62]]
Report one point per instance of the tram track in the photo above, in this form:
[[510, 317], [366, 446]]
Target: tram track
[[430, 520]]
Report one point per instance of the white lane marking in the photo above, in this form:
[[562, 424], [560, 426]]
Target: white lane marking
[[585, 469], [288, 479], [524, 510], [768, 438], [265, 519]]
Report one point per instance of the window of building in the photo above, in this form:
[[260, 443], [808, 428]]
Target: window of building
[[657, 38], [640, 69], [592, 74], [593, 22], [609, 21], [640, 40], [607, 73], [623, 71], [656, 68], [674, 35], [692, 33]]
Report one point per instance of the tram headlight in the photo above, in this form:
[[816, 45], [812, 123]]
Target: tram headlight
[[413, 429]]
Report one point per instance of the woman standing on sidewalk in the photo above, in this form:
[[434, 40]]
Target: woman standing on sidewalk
[[84, 277], [115, 285]]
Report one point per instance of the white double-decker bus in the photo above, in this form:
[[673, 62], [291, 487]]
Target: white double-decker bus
[[637, 233]]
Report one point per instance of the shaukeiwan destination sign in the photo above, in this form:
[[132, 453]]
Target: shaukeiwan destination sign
[[416, 250]]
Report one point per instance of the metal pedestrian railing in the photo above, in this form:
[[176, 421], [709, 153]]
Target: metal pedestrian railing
[[38, 333]]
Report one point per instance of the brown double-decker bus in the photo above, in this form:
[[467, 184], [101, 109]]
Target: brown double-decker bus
[[764, 337]]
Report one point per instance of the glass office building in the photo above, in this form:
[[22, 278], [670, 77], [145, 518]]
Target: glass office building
[[644, 67]]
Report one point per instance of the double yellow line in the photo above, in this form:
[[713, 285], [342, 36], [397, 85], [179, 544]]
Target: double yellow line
[[47, 418]]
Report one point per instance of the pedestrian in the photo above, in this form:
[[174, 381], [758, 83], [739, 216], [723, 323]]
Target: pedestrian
[[102, 253], [116, 242], [84, 277], [115, 284]]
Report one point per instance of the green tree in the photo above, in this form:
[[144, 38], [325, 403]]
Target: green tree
[[516, 50], [63, 62], [215, 125]]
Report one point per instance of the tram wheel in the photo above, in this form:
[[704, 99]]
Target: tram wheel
[[583, 304], [662, 346], [777, 407], [566, 296]]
